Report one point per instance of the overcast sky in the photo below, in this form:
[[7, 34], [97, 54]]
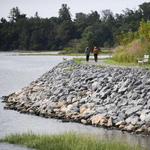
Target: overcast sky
[[49, 8]]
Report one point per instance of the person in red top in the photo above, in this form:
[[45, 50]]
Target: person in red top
[[96, 52]]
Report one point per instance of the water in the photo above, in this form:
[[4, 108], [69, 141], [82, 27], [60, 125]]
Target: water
[[17, 72]]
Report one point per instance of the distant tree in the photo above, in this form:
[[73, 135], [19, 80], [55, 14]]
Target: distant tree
[[93, 18], [81, 22], [57, 33], [145, 8], [64, 13], [15, 15], [36, 15], [3, 21]]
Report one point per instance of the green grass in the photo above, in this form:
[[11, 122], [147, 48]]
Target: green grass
[[126, 64], [113, 62], [68, 141], [79, 60], [106, 51]]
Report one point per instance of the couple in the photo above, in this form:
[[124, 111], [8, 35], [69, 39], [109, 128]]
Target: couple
[[95, 52]]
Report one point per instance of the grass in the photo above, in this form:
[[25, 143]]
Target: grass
[[79, 60], [113, 62], [126, 64], [67, 141]]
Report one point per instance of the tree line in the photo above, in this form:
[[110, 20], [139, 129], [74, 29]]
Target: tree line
[[20, 32]]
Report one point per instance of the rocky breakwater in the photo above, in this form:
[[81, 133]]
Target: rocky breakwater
[[111, 97]]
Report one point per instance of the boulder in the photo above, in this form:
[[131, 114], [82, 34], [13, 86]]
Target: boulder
[[94, 86], [110, 122], [98, 119], [130, 128]]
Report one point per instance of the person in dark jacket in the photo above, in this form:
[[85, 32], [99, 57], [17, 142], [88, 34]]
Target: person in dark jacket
[[87, 53]]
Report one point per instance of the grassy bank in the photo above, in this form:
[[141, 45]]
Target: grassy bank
[[126, 64], [65, 142], [133, 45]]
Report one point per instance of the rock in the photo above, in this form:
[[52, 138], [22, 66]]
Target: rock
[[83, 100], [122, 90], [148, 82], [72, 109], [104, 94], [134, 96], [141, 129], [121, 126], [61, 103], [83, 121], [130, 128], [132, 119], [69, 99], [63, 108], [110, 122], [94, 86], [148, 130], [145, 117], [120, 123], [138, 131], [133, 110], [88, 114], [98, 119]]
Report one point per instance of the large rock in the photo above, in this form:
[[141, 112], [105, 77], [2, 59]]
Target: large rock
[[99, 119], [94, 86]]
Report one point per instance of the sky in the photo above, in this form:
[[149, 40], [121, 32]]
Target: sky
[[50, 8]]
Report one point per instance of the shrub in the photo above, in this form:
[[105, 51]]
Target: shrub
[[134, 45]]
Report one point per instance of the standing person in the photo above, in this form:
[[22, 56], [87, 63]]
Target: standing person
[[95, 52], [87, 53]]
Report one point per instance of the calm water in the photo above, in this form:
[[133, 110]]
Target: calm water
[[17, 72]]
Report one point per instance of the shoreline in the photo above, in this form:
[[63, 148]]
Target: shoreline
[[83, 93]]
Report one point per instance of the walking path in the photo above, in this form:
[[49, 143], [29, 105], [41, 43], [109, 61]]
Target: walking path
[[5, 146]]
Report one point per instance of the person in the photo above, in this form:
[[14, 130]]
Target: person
[[87, 53], [95, 52]]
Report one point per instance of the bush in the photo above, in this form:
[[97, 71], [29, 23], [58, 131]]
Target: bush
[[134, 45]]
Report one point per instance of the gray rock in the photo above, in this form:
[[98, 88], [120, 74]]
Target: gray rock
[[94, 86], [132, 119], [133, 110]]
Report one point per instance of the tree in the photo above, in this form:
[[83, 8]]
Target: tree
[[64, 13], [93, 18], [81, 22], [145, 8], [15, 15]]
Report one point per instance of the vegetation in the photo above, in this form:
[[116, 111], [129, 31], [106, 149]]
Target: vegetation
[[66, 142], [134, 44], [19, 32]]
